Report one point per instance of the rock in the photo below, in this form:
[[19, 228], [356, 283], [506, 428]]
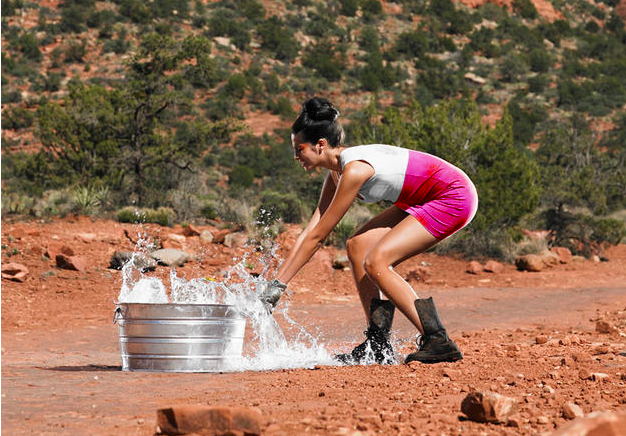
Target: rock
[[474, 267], [14, 271], [488, 407], [601, 349], [176, 239], [578, 258], [341, 261], [218, 237], [549, 258], [87, 238], [604, 327], [74, 263], [494, 267], [584, 374], [541, 339], [170, 257], [206, 237], [190, 230], [599, 376], [476, 79], [571, 411], [234, 240], [140, 261], [529, 262], [595, 424], [208, 420], [563, 253], [420, 274], [55, 248]]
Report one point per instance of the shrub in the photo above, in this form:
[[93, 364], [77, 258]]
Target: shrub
[[540, 60], [17, 118], [131, 214], [75, 52], [348, 7], [525, 8], [287, 207], [412, 43], [281, 106], [241, 176], [236, 86], [276, 37], [325, 59], [29, 46]]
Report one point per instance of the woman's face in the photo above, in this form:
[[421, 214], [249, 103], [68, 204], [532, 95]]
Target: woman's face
[[304, 152]]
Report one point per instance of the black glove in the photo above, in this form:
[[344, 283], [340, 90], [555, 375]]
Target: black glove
[[272, 294]]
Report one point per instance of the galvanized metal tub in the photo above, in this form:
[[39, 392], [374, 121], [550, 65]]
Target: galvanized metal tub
[[180, 337]]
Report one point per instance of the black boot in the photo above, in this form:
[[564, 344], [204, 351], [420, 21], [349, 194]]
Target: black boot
[[435, 345], [377, 347]]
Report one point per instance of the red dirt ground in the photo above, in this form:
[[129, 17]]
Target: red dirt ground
[[61, 366]]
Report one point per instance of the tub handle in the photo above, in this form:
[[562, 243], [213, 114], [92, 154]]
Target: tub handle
[[117, 314]]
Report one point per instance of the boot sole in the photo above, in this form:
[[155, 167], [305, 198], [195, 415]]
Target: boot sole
[[450, 357]]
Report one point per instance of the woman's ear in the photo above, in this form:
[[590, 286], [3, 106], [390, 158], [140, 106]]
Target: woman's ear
[[321, 144]]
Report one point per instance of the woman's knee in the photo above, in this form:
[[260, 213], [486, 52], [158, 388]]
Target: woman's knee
[[375, 264], [354, 250]]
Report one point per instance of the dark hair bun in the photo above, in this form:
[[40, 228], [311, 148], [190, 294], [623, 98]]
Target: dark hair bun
[[320, 109]]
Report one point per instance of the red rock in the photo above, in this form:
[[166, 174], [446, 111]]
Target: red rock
[[206, 237], [420, 274], [564, 254], [208, 420], [218, 237], [584, 374], [55, 248], [601, 349], [14, 271], [529, 262], [488, 407], [604, 327], [595, 424], [474, 267], [571, 411], [541, 339], [233, 240], [74, 263], [548, 258], [494, 267], [190, 230]]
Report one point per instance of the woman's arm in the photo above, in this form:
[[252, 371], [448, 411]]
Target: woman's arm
[[328, 191], [326, 216]]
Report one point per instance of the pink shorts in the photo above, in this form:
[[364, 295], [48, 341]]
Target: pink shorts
[[438, 194]]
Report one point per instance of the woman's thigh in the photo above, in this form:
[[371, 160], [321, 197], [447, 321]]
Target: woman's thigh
[[406, 239], [366, 237]]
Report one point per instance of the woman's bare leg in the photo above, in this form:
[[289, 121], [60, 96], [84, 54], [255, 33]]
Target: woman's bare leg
[[360, 244], [408, 238]]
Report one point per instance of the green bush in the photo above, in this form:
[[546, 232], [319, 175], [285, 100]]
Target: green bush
[[540, 60], [348, 7], [525, 8], [325, 59], [287, 207], [241, 176], [17, 118], [163, 215], [277, 38]]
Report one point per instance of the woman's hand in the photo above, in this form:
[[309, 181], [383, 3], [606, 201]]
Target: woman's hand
[[272, 294]]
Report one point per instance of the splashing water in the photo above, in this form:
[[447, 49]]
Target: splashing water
[[269, 348]]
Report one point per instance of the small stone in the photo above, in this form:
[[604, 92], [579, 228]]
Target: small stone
[[419, 274], [541, 339], [176, 239], [170, 257], [74, 263], [563, 253], [474, 267], [543, 420], [595, 424], [601, 349], [190, 230], [234, 240], [488, 407], [208, 420], [55, 248], [584, 374], [494, 267], [571, 411], [529, 262], [599, 376], [604, 327], [548, 389], [341, 261], [206, 237], [14, 271]]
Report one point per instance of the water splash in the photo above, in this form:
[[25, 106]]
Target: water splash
[[269, 347]]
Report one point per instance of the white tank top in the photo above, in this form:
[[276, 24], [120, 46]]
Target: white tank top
[[389, 165]]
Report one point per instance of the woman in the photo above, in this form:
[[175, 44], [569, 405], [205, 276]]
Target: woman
[[432, 200]]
